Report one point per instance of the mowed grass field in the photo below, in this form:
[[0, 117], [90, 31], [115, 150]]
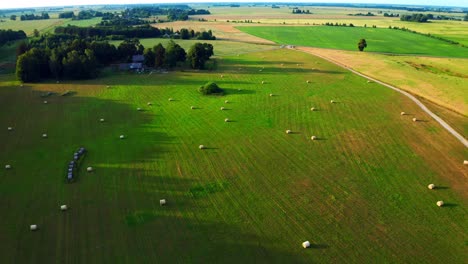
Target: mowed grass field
[[346, 38], [359, 193]]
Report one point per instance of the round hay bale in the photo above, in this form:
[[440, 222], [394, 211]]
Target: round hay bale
[[8, 166], [162, 202], [440, 203], [263, 82], [415, 119], [431, 186], [332, 101], [149, 103], [63, 207], [313, 137], [239, 89], [171, 99], [222, 76], [122, 136], [271, 95], [101, 120], [108, 86], [465, 162], [33, 227], [44, 135], [260, 70], [288, 131], [21, 85], [10, 129], [282, 64], [45, 102], [306, 244], [201, 147], [226, 120], [297, 64], [139, 109], [307, 81], [192, 107], [222, 108], [226, 102], [89, 169], [312, 109], [402, 113]]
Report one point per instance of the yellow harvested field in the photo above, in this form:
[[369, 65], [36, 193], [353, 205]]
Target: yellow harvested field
[[443, 81]]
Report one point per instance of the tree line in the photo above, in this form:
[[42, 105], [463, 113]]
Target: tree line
[[420, 18], [70, 57], [11, 35], [124, 32], [299, 11], [43, 15]]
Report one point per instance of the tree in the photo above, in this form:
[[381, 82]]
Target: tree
[[150, 57], [184, 33], [21, 48], [36, 33], [159, 53], [55, 63], [210, 88], [362, 44], [127, 49], [466, 17], [198, 54], [174, 54], [13, 17], [32, 65]]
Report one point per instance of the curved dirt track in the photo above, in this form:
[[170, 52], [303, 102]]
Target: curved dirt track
[[410, 96]]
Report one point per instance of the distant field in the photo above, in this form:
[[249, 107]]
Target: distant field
[[359, 193], [346, 38], [29, 26], [221, 48], [83, 23]]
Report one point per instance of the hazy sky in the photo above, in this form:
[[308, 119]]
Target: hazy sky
[[30, 3]]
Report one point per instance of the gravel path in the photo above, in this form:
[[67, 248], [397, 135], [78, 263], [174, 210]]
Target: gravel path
[[410, 96]]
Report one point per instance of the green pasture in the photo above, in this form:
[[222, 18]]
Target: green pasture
[[346, 38], [358, 193]]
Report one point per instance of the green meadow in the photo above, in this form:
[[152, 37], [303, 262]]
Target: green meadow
[[358, 193], [381, 40]]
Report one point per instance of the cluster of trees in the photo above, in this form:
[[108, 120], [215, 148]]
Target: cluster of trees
[[69, 14], [43, 15], [210, 88], [299, 11], [11, 35], [338, 24], [84, 14], [362, 44], [62, 56], [117, 21], [125, 32], [176, 12], [391, 15], [362, 14], [421, 18]]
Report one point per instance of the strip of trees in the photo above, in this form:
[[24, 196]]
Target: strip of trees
[[43, 15], [421, 18], [70, 57], [11, 35]]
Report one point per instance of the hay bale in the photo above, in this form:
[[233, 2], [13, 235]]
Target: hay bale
[[10, 129], [63, 207], [288, 131], [239, 89], [271, 95], [332, 101], [8, 166], [101, 120], [313, 137], [440, 203], [108, 86], [202, 147], [171, 99], [44, 135], [89, 169], [222, 76], [139, 109], [263, 82], [122, 136], [312, 109], [307, 81], [149, 103], [226, 102], [415, 119], [260, 70], [222, 108], [162, 202], [465, 162], [402, 113], [282, 64], [431, 186], [306, 244], [192, 107], [33, 227], [369, 81], [45, 102], [226, 120]]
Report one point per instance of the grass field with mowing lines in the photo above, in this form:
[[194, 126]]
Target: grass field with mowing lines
[[346, 38], [358, 194]]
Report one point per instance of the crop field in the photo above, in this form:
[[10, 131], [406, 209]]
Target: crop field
[[346, 38], [358, 193], [29, 26]]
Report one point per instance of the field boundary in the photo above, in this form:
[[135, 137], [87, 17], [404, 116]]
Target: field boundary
[[410, 96]]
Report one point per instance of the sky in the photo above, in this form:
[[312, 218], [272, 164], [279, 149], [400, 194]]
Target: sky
[[28, 3]]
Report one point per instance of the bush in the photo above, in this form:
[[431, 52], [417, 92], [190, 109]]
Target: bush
[[210, 88]]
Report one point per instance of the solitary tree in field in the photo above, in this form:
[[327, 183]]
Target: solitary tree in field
[[362, 44]]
